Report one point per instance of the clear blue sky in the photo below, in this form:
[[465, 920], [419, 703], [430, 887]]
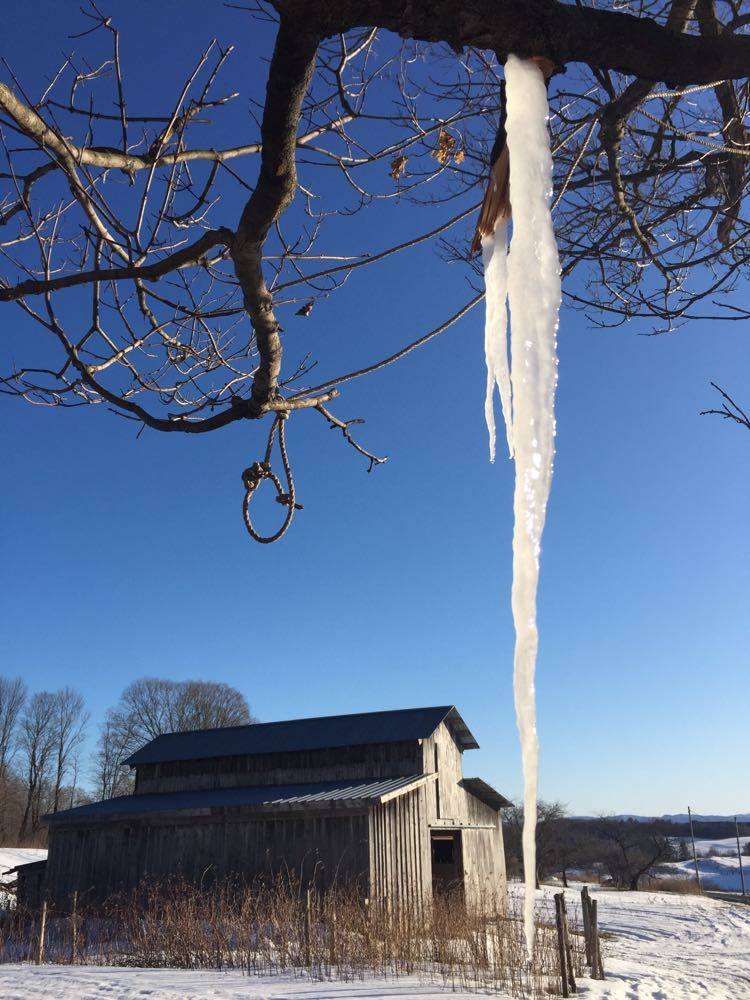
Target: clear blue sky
[[123, 558]]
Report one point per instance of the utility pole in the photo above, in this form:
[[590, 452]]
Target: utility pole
[[739, 854], [695, 856]]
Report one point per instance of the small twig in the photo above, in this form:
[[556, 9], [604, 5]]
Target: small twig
[[729, 411], [343, 426], [399, 354]]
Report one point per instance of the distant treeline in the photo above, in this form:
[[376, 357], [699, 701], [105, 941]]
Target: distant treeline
[[43, 736], [623, 851], [709, 829], [44, 767]]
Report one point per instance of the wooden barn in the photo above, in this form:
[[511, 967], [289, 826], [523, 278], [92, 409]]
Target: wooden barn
[[377, 798]]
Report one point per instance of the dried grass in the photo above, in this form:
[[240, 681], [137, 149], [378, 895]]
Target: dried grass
[[680, 886], [268, 929]]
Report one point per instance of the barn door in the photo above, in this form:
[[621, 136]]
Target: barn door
[[447, 861]]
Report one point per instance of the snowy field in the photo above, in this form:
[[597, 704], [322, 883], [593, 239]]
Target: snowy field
[[669, 947], [88, 983], [12, 856], [721, 873], [657, 946], [725, 846]]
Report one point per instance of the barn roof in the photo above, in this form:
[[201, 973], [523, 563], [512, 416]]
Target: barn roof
[[305, 734], [26, 867], [345, 794], [485, 793]]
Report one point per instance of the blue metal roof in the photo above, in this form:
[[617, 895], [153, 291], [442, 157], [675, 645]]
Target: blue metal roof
[[305, 734], [368, 791], [485, 793]]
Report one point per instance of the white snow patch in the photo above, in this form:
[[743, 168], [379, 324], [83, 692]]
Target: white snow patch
[[726, 845], [716, 873], [10, 857], [29, 982], [662, 946]]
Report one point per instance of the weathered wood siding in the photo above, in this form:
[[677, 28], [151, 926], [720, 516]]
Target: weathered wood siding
[[441, 753], [30, 884], [484, 857], [103, 858], [400, 861], [376, 760], [450, 805]]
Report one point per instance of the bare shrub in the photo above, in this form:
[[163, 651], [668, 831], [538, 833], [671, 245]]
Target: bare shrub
[[282, 927]]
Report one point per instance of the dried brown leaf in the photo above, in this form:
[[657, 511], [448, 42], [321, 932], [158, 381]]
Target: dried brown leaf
[[444, 149], [398, 166]]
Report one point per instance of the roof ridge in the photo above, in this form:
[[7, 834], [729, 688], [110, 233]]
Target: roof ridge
[[305, 718], [312, 733]]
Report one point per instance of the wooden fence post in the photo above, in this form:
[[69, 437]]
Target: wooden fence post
[[74, 929], [568, 948], [561, 944], [591, 934], [597, 970], [308, 922], [42, 930], [586, 916], [695, 853], [739, 855], [332, 936]]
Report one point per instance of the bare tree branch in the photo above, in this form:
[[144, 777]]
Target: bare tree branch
[[729, 409], [119, 236]]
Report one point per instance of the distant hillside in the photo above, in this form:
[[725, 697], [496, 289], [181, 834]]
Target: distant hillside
[[684, 818], [705, 826]]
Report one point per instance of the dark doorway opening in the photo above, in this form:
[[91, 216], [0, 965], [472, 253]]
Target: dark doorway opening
[[447, 861]]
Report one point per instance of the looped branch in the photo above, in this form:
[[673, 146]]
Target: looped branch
[[253, 476]]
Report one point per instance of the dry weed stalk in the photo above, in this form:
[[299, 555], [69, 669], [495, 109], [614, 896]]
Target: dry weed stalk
[[269, 928]]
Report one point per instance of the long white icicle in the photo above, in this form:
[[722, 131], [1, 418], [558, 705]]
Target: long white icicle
[[534, 300], [495, 260]]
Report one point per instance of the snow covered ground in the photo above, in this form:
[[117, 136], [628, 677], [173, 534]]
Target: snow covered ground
[[12, 856], [669, 947], [89, 983], [725, 846], [722, 873], [656, 945]]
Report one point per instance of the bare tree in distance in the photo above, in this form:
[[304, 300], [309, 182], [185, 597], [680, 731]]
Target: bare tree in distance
[[555, 842], [109, 776], [152, 706], [158, 300], [36, 751], [633, 848], [12, 699], [69, 722]]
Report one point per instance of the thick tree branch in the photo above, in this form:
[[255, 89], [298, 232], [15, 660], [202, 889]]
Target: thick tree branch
[[563, 32], [613, 121], [289, 75], [733, 130]]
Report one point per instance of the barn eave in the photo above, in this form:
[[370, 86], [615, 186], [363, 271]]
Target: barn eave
[[327, 796]]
